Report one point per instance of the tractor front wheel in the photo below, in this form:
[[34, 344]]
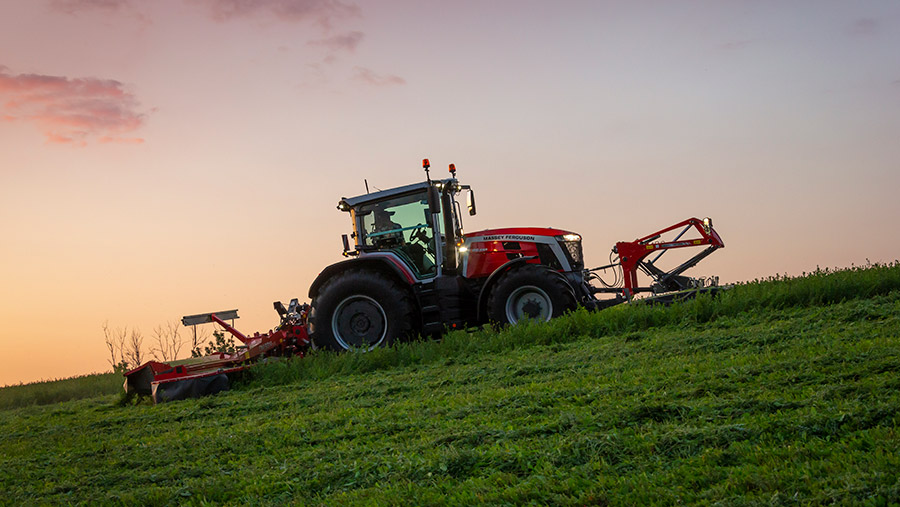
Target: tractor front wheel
[[529, 292], [359, 310]]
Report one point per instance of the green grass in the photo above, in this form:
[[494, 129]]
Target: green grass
[[56, 391], [782, 391]]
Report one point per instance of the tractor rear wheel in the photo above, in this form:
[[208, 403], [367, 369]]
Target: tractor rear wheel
[[359, 310], [529, 292]]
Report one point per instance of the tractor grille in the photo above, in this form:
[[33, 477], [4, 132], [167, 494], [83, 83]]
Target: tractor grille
[[574, 254]]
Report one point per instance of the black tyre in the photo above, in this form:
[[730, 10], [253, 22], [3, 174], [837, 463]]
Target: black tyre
[[529, 292], [360, 310]]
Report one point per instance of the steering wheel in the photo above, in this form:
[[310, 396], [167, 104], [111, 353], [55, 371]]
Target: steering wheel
[[418, 234]]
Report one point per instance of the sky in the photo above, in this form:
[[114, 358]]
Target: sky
[[167, 158]]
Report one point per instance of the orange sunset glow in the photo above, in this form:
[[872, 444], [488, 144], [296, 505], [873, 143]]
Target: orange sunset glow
[[160, 159]]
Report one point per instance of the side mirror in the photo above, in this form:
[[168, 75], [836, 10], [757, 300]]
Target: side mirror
[[470, 202], [346, 244], [434, 202]]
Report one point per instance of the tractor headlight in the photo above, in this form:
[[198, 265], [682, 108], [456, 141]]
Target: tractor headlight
[[462, 249], [707, 224], [571, 246]]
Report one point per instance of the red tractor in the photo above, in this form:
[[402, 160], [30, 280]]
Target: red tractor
[[412, 270]]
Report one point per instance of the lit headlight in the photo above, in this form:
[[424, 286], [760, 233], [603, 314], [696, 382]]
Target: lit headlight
[[571, 237], [707, 223], [462, 249]]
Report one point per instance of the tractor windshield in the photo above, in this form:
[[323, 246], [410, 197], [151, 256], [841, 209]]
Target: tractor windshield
[[401, 225]]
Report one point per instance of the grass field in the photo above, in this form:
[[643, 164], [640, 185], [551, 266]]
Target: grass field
[[56, 391], [782, 391]]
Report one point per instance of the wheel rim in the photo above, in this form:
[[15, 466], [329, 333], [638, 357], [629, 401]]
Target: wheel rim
[[528, 302], [359, 322]]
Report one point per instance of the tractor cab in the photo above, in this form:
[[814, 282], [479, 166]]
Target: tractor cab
[[418, 225]]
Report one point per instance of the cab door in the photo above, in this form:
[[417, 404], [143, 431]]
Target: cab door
[[405, 226]]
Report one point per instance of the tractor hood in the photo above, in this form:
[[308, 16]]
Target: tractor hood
[[514, 234]]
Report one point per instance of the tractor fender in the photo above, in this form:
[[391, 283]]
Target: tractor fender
[[492, 280], [381, 262]]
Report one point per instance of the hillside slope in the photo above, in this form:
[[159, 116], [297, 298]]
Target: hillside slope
[[784, 391]]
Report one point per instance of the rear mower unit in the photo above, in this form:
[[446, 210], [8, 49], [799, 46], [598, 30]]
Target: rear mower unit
[[191, 378], [411, 270]]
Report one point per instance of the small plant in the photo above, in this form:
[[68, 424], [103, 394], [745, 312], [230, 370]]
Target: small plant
[[218, 345], [121, 367]]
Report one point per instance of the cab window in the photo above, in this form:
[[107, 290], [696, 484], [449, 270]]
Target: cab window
[[401, 225]]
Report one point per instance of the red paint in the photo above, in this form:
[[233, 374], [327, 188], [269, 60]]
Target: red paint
[[631, 253]]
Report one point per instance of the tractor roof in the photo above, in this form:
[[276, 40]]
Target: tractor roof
[[352, 202]]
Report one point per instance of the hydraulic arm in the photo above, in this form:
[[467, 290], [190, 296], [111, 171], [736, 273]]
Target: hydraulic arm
[[633, 257]]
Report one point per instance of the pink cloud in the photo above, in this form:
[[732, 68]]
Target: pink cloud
[[735, 45], [74, 6], [121, 140], [369, 77], [110, 8], [71, 111], [864, 27], [345, 42], [320, 11]]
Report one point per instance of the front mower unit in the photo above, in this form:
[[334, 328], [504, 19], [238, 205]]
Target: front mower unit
[[668, 285]]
